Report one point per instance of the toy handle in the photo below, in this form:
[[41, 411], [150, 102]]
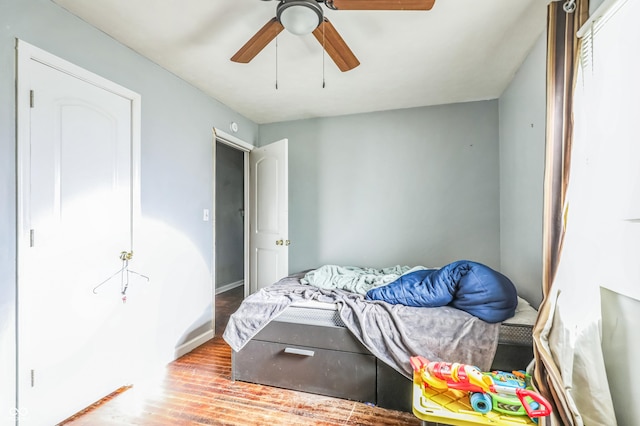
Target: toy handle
[[543, 410], [418, 363]]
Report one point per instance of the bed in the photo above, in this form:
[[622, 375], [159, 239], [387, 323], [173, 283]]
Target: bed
[[336, 343]]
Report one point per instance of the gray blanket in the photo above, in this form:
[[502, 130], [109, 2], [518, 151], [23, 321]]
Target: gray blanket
[[393, 333]]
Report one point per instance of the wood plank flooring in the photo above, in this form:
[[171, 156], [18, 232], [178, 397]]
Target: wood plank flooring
[[197, 390]]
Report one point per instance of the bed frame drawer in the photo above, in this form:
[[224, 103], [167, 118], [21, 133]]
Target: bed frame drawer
[[347, 375], [323, 337], [511, 357]]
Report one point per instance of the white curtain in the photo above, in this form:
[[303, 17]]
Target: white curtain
[[608, 130], [572, 334]]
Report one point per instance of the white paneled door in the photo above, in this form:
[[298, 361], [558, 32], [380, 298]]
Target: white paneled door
[[77, 161], [269, 228]]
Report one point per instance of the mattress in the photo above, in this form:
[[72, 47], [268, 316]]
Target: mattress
[[517, 330]]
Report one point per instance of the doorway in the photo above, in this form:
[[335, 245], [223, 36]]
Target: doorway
[[263, 212], [229, 218], [231, 244]]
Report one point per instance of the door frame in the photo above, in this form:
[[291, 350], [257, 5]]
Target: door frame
[[25, 53], [245, 148]]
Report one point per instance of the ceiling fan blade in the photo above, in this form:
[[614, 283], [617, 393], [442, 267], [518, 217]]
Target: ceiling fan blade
[[335, 46], [383, 4], [258, 42]]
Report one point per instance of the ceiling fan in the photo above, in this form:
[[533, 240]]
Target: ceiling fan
[[302, 17]]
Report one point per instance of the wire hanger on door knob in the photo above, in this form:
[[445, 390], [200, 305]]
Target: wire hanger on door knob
[[124, 272]]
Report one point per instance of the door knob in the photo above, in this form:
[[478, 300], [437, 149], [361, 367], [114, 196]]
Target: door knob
[[287, 242], [126, 255], [279, 242]]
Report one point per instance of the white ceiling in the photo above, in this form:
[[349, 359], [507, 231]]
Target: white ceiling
[[461, 50]]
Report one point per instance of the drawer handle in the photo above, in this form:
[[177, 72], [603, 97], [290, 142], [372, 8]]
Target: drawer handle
[[297, 351]]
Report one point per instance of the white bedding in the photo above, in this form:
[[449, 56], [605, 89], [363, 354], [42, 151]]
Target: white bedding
[[525, 313]]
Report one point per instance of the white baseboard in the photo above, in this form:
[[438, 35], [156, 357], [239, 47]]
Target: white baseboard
[[187, 347], [229, 286]]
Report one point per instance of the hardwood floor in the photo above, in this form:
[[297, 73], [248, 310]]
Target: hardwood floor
[[197, 390]]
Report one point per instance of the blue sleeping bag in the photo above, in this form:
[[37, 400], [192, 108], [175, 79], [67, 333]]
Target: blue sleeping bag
[[469, 286]]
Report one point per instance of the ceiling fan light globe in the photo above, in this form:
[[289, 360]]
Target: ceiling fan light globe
[[300, 17]]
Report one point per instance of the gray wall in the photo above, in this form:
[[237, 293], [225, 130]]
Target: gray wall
[[175, 247], [522, 151], [594, 4], [416, 186], [229, 218]]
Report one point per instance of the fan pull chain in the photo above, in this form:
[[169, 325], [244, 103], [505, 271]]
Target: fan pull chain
[[323, 55], [276, 63]]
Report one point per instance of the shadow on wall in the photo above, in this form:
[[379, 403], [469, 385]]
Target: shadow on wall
[[175, 303]]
